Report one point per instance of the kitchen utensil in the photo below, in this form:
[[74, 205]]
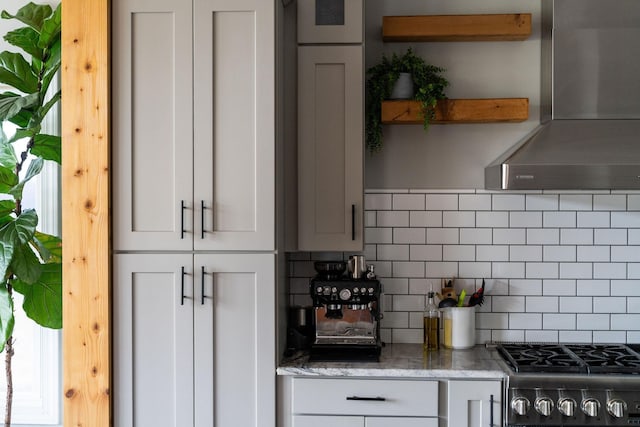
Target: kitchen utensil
[[463, 294], [477, 298], [357, 266], [447, 302], [330, 270]]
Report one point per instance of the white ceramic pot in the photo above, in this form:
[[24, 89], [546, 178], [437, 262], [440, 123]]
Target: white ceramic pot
[[403, 89]]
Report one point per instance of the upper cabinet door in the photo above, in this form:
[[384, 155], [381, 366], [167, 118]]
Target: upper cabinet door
[[234, 125], [152, 125], [330, 21], [330, 148]]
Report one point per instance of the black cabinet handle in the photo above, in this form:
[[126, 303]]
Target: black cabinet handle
[[202, 285], [368, 399], [182, 287], [491, 411], [202, 219], [353, 222], [182, 208]]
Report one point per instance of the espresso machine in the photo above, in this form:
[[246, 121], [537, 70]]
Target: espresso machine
[[347, 317]]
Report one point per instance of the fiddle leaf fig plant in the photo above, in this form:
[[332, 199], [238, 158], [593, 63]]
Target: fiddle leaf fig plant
[[30, 261], [428, 89]]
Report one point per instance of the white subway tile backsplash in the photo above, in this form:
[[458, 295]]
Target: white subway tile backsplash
[[558, 287], [525, 219], [543, 236], [410, 202], [475, 202], [559, 266], [610, 236], [458, 219], [425, 252], [442, 202], [458, 253], [509, 236], [559, 219], [553, 253], [446, 236], [492, 252], [594, 220], [425, 219], [393, 219], [377, 202], [492, 219], [593, 287], [525, 253], [393, 253], [576, 270], [409, 235], [508, 202], [576, 304], [609, 202], [576, 202]]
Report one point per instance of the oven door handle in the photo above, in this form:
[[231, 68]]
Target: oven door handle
[[368, 399]]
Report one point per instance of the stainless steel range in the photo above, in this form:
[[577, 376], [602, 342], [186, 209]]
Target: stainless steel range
[[571, 384]]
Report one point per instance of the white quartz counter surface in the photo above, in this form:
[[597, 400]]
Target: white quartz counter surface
[[403, 360]]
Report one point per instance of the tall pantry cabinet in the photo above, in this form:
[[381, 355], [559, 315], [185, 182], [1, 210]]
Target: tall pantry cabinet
[[194, 213]]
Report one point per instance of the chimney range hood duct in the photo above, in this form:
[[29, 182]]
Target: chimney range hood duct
[[590, 106]]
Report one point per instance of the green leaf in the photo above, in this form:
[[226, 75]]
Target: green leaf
[[8, 157], [24, 133], [31, 14], [49, 247], [7, 207], [6, 253], [43, 299], [26, 39], [25, 265], [35, 166], [7, 321], [12, 105], [8, 179], [16, 72], [21, 230], [52, 66], [51, 29], [48, 147]]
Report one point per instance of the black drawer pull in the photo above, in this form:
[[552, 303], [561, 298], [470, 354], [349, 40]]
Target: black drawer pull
[[353, 222], [369, 399]]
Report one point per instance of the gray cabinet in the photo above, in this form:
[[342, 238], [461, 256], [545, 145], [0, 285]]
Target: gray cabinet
[[330, 148], [194, 340], [475, 403], [194, 151], [342, 421]]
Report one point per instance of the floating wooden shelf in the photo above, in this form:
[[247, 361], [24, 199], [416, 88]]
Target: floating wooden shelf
[[458, 111], [434, 28]]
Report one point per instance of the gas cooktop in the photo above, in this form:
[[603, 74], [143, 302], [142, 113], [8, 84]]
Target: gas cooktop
[[571, 358]]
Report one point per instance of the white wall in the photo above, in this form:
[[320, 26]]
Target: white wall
[[454, 156]]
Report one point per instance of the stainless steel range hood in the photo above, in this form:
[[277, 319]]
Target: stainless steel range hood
[[590, 104]]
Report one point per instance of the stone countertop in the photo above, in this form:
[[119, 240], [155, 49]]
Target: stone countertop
[[403, 360]]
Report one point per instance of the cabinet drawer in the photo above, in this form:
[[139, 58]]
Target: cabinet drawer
[[365, 397]]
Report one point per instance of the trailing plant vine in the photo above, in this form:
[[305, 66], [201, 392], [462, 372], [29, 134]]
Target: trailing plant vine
[[428, 89], [30, 261]]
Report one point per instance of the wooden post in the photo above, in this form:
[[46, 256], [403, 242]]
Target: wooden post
[[85, 213]]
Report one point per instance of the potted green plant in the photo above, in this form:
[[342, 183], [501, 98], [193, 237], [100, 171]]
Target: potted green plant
[[30, 261], [428, 89]]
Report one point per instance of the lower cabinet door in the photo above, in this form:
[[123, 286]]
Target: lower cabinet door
[[327, 421], [234, 344], [153, 340], [400, 422], [475, 403]]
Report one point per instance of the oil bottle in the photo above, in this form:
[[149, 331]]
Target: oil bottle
[[431, 324]]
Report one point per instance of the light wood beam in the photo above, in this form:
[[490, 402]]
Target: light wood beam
[[85, 213]]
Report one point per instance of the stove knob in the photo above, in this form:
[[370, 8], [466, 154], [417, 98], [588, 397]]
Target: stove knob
[[356, 290], [520, 405], [616, 408], [591, 407], [544, 406], [319, 290], [371, 291], [567, 406], [345, 294], [334, 290]]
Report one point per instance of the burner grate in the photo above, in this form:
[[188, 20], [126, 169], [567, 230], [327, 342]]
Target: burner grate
[[571, 358]]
